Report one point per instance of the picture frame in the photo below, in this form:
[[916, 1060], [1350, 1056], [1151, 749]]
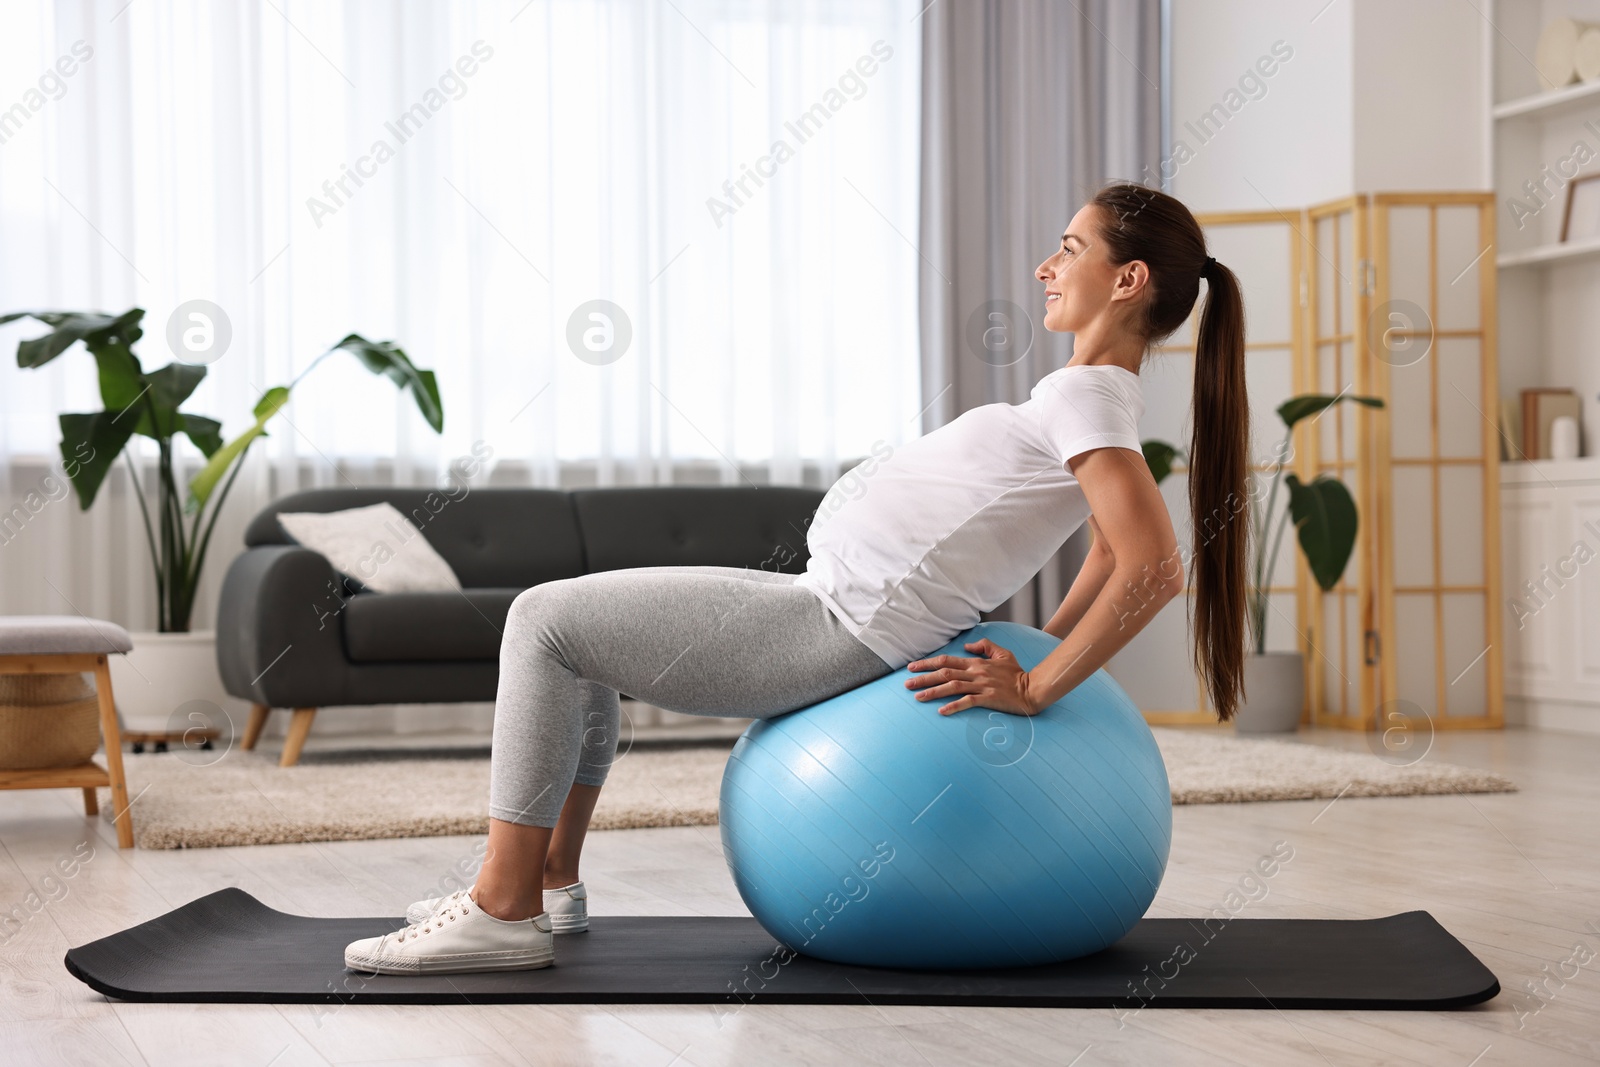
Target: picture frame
[[1581, 215]]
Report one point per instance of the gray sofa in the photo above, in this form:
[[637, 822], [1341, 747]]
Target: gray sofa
[[292, 633]]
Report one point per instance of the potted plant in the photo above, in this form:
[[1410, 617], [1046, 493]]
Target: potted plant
[[1158, 456], [172, 665], [1325, 522]]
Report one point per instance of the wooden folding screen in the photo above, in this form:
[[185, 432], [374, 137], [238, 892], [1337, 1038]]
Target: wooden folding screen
[[1430, 353], [1389, 295]]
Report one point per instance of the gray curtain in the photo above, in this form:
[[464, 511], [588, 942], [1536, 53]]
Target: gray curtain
[[1028, 107]]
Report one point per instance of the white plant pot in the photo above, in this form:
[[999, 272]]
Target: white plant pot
[[168, 679], [1274, 684]]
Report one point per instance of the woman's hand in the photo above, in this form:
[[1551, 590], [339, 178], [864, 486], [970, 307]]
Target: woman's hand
[[992, 680]]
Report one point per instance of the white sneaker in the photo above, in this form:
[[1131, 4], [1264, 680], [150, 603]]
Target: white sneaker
[[567, 907], [459, 937]]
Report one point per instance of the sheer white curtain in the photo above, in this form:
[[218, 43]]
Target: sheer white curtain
[[737, 180]]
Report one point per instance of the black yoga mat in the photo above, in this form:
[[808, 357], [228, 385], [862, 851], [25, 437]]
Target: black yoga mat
[[229, 947]]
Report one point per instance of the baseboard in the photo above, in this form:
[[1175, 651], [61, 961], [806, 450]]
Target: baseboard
[[1558, 715]]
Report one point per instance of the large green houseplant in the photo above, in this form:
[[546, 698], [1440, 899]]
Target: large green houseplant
[[1323, 512], [145, 403], [1325, 521]]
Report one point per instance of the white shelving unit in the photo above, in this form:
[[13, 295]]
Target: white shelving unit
[[1550, 103], [1550, 544], [1549, 314], [1549, 335], [1532, 134], [1549, 253]]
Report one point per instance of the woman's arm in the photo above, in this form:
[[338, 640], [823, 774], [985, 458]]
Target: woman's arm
[[1133, 529], [1085, 587]]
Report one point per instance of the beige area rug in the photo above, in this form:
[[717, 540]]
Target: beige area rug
[[185, 800]]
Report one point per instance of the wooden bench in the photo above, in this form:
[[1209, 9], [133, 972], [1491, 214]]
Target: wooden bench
[[63, 644]]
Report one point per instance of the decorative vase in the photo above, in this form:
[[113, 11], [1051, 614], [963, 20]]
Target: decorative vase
[[169, 678], [1564, 437], [1274, 684]]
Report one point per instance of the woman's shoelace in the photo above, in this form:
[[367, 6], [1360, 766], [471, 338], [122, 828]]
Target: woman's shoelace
[[458, 899]]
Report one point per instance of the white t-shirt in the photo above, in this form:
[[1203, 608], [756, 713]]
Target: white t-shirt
[[908, 548]]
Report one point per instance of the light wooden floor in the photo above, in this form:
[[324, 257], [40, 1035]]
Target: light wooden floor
[[1515, 876]]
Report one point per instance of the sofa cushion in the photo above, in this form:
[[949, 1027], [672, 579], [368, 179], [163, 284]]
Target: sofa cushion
[[376, 545], [492, 538], [693, 525], [393, 627]]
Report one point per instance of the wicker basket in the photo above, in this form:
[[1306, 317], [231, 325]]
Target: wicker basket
[[47, 720]]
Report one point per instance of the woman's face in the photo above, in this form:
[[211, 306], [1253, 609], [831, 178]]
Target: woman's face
[[1080, 283]]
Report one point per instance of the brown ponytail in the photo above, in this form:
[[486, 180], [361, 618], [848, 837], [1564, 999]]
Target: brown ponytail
[[1140, 223]]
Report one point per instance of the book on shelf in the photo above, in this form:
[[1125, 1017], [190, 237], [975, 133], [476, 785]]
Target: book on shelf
[[1538, 409], [1510, 429]]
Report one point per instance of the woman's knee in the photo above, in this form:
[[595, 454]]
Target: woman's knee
[[538, 615], [541, 601]]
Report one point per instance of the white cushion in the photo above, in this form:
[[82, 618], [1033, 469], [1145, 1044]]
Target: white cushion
[[376, 545]]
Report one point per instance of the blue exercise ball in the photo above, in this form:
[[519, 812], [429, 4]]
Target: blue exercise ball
[[869, 829]]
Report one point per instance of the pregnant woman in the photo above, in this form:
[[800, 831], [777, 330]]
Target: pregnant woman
[[948, 525]]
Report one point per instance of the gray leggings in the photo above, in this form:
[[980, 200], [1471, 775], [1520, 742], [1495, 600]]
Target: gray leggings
[[722, 641]]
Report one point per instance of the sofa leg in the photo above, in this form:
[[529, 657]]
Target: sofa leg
[[252, 730], [299, 728], [91, 800]]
